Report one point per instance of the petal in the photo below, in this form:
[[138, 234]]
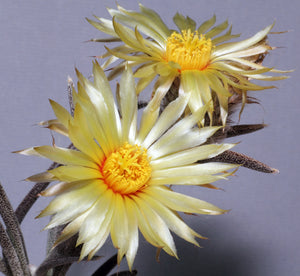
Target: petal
[[68, 206], [188, 84], [92, 124], [29, 151], [102, 99], [125, 49], [237, 46], [74, 173], [216, 84], [61, 113], [183, 203], [242, 83], [206, 25], [227, 36], [129, 37], [42, 177], [81, 136], [190, 139], [196, 169], [151, 111], [149, 25], [204, 88], [145, 70], [96, 217], [91, 246], [66, 156], [71, 229], [189, 156], [133, 235], [156, 229], [217, 30], [198, 84], [63, 187], [257, 66], [103, 86], [184, 23], [132, 58], [168, 117], [144, 82], [104, 26], [223, 102], [120, 228], [178, 129], [186, 179], [161, 27], [128, 103], [172, 219], [259, 49], [56, 126]]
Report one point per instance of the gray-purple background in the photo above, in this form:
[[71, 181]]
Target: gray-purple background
[[40, 44]]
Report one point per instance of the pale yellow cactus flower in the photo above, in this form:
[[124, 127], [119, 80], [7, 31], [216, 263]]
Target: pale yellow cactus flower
[[208, 68], [117, 178]]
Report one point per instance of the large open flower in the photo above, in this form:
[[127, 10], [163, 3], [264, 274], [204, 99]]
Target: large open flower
[[116, 180], [205, 65]]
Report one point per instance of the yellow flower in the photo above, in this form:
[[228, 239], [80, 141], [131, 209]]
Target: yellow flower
[[116, 181], [197, 56]]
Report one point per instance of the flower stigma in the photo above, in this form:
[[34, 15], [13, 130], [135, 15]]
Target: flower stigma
[[127, 169], [189, 49]]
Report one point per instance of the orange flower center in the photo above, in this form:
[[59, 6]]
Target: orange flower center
[[189, 50], [127, 169]]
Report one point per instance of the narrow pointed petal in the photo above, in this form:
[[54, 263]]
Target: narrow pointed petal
[[190, 139], [128, 36], [157, 227], [172, 219], [103, 86], [187, 179], [61, 113], [73, 173], [56, 126], [217, 30], [71, 229], [168, 117], [81, 136], [178, 129], [97, 215], [147, 25], [128, 103], [103, 25], [189, 156], [42, 177], [207, 168], [120, 228], [66, 156], [103, 103], [29, 152], [67, 207], [237, 46], [151, 111], [92, 125], [133, 235], [149, 117], [154, 17], [183, 203], [184, 23], [63, 187], [206, 25], [91, 246]]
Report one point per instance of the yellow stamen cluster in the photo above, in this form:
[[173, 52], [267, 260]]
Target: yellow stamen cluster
[[189, 50], [127, 169]]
